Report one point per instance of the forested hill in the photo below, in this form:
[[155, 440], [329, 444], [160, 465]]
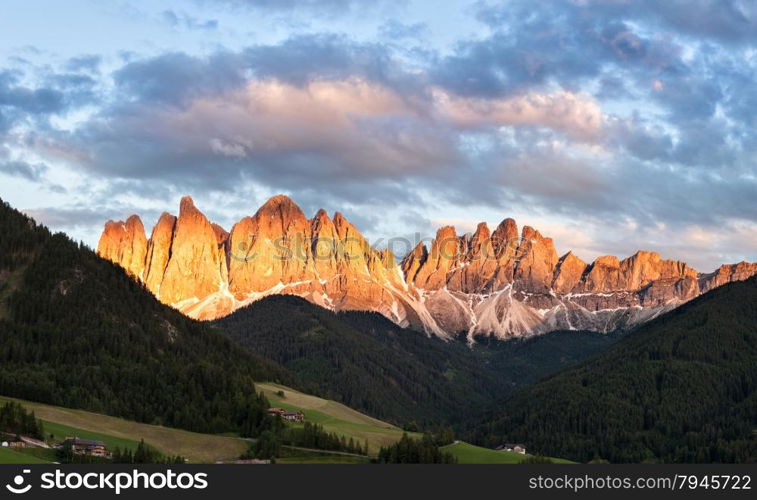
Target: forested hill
[[369, 363], [375, 366], [682, 388], [76, 331]]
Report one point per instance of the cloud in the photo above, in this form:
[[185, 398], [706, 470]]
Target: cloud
[[328, 132], [578, 116], [730, 21], [71, 217], [319, 8], [175, 77], [395, 30], [304, 58], [185, 21], [34, 101], [89, 63], [28, 171], [52, 94]]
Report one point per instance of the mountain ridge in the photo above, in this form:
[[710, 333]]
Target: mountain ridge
[[503, 283], [681, 388]]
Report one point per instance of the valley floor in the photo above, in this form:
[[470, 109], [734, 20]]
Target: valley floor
[[60, 423]]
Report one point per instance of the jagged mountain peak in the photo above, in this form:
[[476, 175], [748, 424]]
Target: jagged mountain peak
[[186, 204], [125, 243], [135, 221], [486, 283], [281, 206], [321, 216]]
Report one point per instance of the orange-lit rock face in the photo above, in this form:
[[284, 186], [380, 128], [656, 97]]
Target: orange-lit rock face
[[158, 252], [207, 272], [536, 261], [568, 274], [197, 266], [125, 243], [271, 247], [488, 283]]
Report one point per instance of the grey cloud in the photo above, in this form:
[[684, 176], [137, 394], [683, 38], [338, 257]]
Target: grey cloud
[[135, 139], [557, 43], [304, 58], [394, 30], [89, 63], [55, 94], [633, 50], [731, 21], [185, 21], [29, 100], [174, 78], [137, 144], [177, 77], [72, 216], [28, 171]]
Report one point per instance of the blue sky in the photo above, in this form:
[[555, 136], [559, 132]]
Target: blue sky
[[609, 125]]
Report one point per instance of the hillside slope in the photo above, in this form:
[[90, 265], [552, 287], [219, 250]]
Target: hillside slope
[[334, 417], [76, 331], [682, 388], [367, 362], [118, 432]]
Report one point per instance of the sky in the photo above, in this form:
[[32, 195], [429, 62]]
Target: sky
[[608, 125]]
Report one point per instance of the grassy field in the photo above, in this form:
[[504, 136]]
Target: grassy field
[[471, 454], [323, 459], [60, 432], [299, 456], [8, 456], [197, 448], [334, 417]]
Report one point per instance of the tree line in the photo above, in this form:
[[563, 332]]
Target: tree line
[[14, 419]]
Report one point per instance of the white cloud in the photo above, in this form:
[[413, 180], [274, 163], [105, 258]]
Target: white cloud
[[227, 149], [577, 115]]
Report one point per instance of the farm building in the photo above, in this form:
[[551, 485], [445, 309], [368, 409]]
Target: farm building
[[289, 416], [515, 448], [90, 447]]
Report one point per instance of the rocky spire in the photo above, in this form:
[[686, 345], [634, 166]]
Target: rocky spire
[[414, 261], [159, 251], [196, 266], [271, 247], [125, 243], [570, 270], [536, 260], [444, 255]]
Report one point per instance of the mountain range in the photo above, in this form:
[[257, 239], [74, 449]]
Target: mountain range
[[504, 283], [78, 331]]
